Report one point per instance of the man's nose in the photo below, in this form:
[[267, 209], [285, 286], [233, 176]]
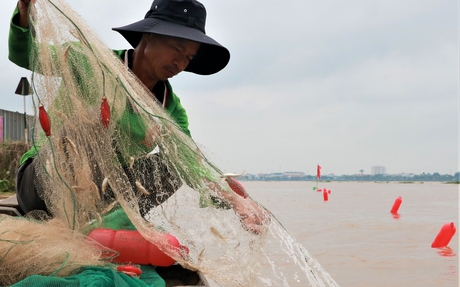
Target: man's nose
[[181, 63]]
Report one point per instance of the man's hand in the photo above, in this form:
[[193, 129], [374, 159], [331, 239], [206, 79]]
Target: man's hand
[[23, 7], [253, 217]]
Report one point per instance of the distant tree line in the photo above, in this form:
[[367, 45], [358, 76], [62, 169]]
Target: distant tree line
[[356, 177]]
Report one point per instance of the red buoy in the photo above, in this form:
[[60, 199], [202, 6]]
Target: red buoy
[[444, 236], [44, 120], [105, 113], [325, 194], [396, 205], [133, 248]]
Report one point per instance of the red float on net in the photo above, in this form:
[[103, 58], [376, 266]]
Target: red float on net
[[444, 236], [44, 120], [325, 195], [105, 113], [237, 187]]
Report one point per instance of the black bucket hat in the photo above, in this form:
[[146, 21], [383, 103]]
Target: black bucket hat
[[183, 19]]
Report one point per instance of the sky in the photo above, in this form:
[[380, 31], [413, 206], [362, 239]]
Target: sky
[[344, 84]]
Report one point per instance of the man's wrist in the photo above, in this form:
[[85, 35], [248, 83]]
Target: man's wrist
[[22, 17], [23, 7]]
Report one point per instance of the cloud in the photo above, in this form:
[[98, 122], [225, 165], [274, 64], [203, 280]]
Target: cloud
[[346, 84]]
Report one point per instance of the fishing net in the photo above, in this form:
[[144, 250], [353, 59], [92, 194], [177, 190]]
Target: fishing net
[[113, 157]]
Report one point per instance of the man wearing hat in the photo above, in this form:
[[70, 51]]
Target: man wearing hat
[[170, 39]]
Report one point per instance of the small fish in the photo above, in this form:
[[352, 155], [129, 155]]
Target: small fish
[[78, 188], [154, 151], [109, 207], [85, 120], [105, 182], [131, 162], [142, 189], [78, 35], [175, 149], [201, 255], [95, 190], [198, 152], [99, 219], [66, 53], [217, 234], [48, 165], [62, 115], [232, 175], [75, 34], [70, 143]]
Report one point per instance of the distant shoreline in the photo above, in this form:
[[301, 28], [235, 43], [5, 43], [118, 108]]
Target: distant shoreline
[[358, 181], [403, 178]]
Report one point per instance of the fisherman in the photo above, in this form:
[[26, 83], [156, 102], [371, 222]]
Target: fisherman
[[170, 39]]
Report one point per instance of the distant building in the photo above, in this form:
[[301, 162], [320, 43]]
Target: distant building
[[378, 170], [294, 174], [12, 126]]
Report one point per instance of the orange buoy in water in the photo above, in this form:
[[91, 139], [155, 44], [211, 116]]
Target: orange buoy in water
[[396, 205], [325, 195], [444, 236]]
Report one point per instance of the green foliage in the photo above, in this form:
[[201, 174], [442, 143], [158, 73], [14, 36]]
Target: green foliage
[[5, 184], [10, 154], [454, 182]]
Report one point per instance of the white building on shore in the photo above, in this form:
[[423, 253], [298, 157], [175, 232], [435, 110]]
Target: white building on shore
[[378, 170]]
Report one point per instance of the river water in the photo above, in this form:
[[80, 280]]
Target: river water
[[358, 241]]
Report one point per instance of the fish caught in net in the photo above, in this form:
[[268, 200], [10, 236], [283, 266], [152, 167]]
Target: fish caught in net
[[108, 155]]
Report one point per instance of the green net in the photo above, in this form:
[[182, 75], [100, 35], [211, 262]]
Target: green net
[[96, 277], [136, 169]]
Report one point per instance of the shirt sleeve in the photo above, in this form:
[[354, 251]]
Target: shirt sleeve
[[19, 45], [180, 115], [176, 110]]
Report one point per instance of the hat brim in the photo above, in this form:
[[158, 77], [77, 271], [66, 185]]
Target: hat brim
[[211, 56]]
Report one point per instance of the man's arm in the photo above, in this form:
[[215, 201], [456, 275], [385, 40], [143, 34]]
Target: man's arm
[[19, 38], [23, 8]]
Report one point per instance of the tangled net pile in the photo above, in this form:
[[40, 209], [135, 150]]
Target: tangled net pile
[[91, 165]]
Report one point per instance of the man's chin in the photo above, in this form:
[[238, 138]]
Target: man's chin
[[166, 77]]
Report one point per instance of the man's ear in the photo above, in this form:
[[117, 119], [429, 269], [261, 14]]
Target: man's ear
[[147, 36], [144, 40]]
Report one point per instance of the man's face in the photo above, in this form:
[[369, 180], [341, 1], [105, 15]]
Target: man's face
[[165, 56]]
